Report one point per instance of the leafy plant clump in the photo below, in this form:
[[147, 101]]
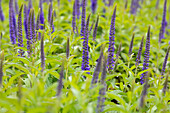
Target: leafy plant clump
[[84, 56]]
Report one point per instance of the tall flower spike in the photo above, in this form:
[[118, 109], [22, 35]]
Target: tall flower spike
[[60, 84], [94, 6], [29, 6], [91, 27], [41, 15], [74, 18], [16, 6], [139, 52], [102, 91], [119, 50], [98, 68], [42, 52], [95, 29], [131, 44], [144, 91], [33, 27], [68, 48], [83, 17], [1, 66], [38, 25], [26, 20], [2, 18], [29, 40], [165, 61], [110, 60], [134, 6], [77, 8], [20, 38], [52, 22], [165, 85], [85, 57], [111, 3], [162, 29], [12, 22], [49, 12], [146, 57]]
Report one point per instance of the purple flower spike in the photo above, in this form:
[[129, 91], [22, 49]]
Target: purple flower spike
[[162, 30], [98, 68], [2, 18], [38, 26], [29, 40], [33, 27], [110, 60], [95, 29], [26, 20], [29, 6], [52, 22], [85, 58], [42, 53], [102, 91], [41, 15], [77, 8], [60, 84], [146, 57], [94, 5], [74, 18], [134, 6], [50, 12], [20, 38], [131, 44], [165, 61], [12, 24], [139, 52], [1, 66], [83, 17], [111, 3], [16, 6]]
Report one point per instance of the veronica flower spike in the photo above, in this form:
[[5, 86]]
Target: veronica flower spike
[[83, 17], [146, 57], [19, 32], [110, 60], [85, 58], [162, 30]]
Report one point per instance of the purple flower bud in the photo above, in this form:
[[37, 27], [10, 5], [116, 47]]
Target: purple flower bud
[[94, 5], [85, 57], [74, 18], [42, 52], [83, 17], [29, 6], [2, 18], [95, 29], [162, 30], [12, 24], [19, 32], [33, 27], [165, 61], [139, 52], [146, 57], [110, 60], [131, 44]]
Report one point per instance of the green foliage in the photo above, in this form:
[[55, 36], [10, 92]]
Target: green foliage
[[25, 89]]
